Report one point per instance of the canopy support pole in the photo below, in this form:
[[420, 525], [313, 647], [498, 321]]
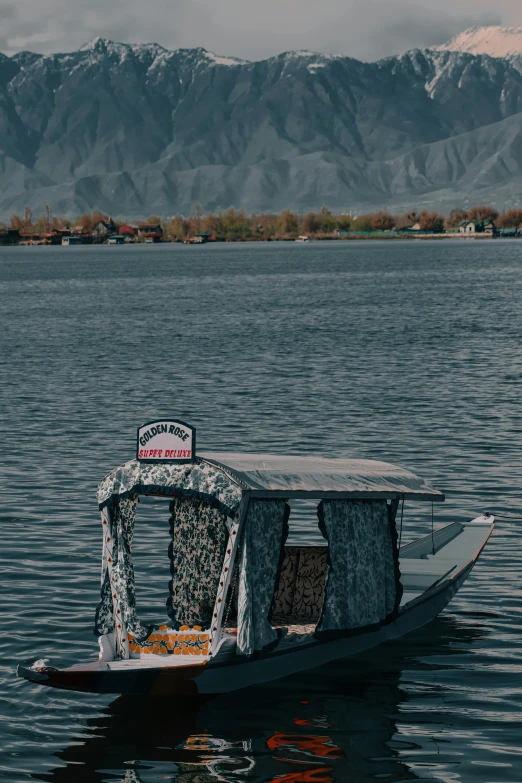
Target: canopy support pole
[[394, 507], [227, 572], [121, 636]]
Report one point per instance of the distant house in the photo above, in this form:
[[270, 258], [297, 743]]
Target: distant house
[[57, 235], [9, 236], [150, 231], [83, 232], [408, 228], [197, 239], [508, 232], [471, 227], [415, 228], [144, 231], [147, 228], [128, 230], [103, 229], [54, 237], [33, 238]]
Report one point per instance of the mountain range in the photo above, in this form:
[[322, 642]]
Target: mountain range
[[138, 129]]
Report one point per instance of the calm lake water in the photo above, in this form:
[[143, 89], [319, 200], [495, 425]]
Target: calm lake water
[[404, 351]]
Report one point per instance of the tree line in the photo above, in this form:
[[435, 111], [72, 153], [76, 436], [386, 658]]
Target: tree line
[[235, 224]]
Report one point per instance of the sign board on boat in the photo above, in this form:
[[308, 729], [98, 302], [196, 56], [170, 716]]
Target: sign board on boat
[[166, 441]]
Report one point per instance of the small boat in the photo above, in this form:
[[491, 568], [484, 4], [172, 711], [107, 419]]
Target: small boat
[[302, 239], [244, 606], [198, 239]]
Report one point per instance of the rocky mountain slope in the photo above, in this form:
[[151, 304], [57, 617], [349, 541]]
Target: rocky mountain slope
[[134, 130]]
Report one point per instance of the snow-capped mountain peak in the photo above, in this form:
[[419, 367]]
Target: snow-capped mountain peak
[[103, 46], [493, 40], [96, 43]]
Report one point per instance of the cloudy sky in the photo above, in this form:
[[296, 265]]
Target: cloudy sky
[[252, 29]]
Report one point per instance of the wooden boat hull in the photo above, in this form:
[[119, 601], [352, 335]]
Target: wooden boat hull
[[164, 680], [214, 677]]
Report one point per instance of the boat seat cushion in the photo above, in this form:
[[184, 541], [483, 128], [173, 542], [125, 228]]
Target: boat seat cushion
[[423, 574], [300, 590], [168, 641]]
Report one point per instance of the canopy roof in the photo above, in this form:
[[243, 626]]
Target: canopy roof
[[267, 475], [221, 479]]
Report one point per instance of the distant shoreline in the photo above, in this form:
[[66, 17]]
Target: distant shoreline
[[481, 222], [315, 240]]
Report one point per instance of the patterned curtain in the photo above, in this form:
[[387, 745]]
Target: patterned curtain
[[265, 532], [123, 515], [362, 587], [199, 539], [300, 590], [200, 480]]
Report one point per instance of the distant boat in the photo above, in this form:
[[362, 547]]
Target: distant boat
[[302, 239], [197, 239]]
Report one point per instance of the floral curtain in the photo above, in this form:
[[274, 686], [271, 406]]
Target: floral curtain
[[362, 587], [199, 480], [262, 551], [121, 567], [199, 539]]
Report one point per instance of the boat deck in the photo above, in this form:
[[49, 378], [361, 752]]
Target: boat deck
[[424, 564], [421, 569]]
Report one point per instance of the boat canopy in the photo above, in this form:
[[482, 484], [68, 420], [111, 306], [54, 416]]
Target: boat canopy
[[199, 480], [241, 565], [270, 476], [221, 479]]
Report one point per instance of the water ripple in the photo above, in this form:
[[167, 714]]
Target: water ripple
[[399, 351]]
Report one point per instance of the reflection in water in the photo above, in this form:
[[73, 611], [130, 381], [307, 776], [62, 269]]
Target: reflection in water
[[336, 723]]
